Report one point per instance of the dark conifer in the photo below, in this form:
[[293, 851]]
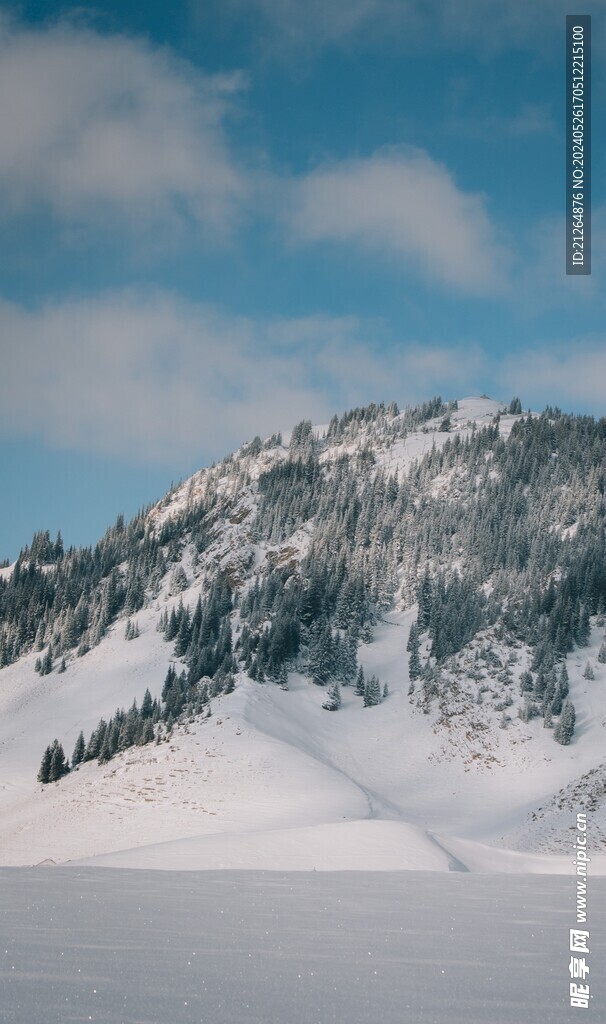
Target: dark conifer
[[45, 767], [79, 748], [564, 730], [58, 765]]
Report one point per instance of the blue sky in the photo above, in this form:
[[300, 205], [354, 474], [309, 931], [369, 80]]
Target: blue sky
[[221, 217]]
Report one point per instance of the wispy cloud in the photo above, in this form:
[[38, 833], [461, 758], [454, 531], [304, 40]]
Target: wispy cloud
[[401, 203], [530, 121], [541, 281], [492, 26], [568, 374], [279, 28], [147, 376], [98, 127]]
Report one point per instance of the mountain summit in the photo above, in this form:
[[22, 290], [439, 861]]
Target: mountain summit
[[373, 644]]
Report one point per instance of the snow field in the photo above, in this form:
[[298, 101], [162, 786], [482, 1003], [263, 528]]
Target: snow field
[[145, 947]]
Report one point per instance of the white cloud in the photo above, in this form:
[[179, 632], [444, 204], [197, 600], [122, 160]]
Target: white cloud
[[109, 133], [150, 377], [401, 202], [99, 126]]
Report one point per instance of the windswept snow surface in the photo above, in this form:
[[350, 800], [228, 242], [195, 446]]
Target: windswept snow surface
[[145, 947]]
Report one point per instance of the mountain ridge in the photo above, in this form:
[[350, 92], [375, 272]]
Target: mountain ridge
[[327, 549]]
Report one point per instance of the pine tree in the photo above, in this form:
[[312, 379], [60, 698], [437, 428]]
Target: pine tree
[[128, 729], [113, 732], [414, 662], [557, 702], [588, 672], [58, 764], [45, 767], [526, 683], [528, 710], [147, 733], [333, 698], [105, 752], [348, 660], [564, 682], [372, 693], [78, 754], [320, 663], [583, 632], [47, 662], [360, 683], [147, 705], [179, 581], [548, 696], [172, 626], [93, 747], [564, 729]]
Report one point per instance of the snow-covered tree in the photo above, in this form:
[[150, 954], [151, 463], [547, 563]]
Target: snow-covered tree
[[372, 692], [58, 764], [564, 729], [178, 580], [333, 698]]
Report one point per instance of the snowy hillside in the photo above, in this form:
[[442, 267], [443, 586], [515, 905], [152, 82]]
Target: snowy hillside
[[367, 666]]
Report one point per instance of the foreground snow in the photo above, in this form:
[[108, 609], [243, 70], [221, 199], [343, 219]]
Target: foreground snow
[[122, 947], [348, 846]]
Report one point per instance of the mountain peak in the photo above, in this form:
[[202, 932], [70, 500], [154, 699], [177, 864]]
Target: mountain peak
[[394, 618]]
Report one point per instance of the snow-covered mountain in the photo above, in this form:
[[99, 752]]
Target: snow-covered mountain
[[361, 644]]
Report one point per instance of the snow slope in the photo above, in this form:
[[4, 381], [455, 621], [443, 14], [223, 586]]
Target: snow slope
[[272, 780]]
